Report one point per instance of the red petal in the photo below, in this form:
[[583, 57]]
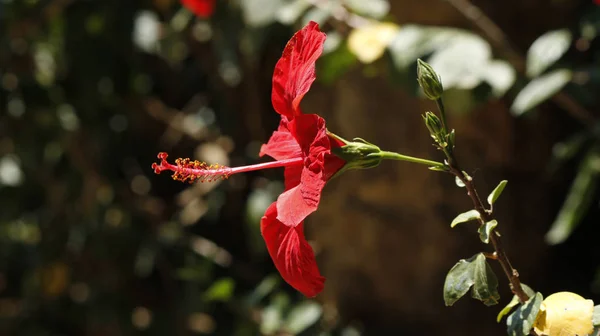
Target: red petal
[[319, 165], [202, 8], [291, 253], [282, 144], [292, 176], [300, 201], [310, 133], [295, 70]]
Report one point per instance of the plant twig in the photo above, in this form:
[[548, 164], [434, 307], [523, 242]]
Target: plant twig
[[485, 216]]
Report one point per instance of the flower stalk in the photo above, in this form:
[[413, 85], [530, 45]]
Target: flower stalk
[[432, 87]]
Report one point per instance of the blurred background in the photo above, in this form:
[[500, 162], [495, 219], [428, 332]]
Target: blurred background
[[93, 243]]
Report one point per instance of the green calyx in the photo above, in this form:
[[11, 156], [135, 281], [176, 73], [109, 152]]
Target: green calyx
[[361, 154], [429, 80], [358, 154]]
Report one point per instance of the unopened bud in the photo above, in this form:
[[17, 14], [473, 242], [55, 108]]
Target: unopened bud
[[429, 80], [434, 124]]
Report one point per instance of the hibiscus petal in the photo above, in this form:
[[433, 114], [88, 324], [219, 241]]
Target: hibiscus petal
[[202, 8], [282, 144], [319, 165], [291, 254], [300, 201], [292, 176], [295, 71]]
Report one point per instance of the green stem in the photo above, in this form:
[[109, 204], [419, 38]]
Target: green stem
[[395, 156], [440, 105]]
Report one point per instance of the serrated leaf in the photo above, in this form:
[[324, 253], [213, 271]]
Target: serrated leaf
[[465, 217], [221, 290], [521, 321], [485, 288], [579, 199], [539, 90], [486, 229], [596, 316], [302, 316], [473, 272], [496, 192], [546, 50]]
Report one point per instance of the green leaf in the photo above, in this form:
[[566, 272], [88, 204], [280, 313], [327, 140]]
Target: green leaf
[[578, 200], [465, 217], [272, 315], [303, 316], [486, 229], [264, 288], [318, 14], [500, 75], [376, 9], [459, 182], [271, 319], [474, 272], [259, 13], [289, 13], [564, 151], [513, 302], [335, 63], [458, 281], [539, 90], [546, 50], [415, 41], [485, 288], [221, 290], [596, 316], [461, 61], [521, 321], [496, 192]]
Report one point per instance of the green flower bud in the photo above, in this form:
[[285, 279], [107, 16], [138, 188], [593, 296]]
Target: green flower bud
[[434, 125], [429, 80]]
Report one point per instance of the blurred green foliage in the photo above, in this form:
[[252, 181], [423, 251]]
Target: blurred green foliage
[[92, 244]]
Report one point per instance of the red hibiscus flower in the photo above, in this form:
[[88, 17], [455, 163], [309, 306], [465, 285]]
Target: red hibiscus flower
[[202, 8], [303, 147]]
